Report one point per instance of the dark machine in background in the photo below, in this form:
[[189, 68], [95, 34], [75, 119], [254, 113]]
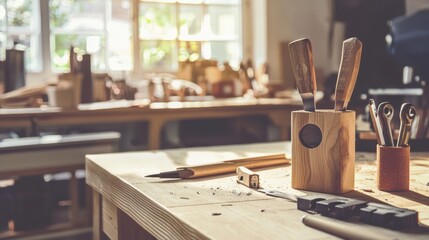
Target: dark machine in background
[[367, 20], [407, 43]]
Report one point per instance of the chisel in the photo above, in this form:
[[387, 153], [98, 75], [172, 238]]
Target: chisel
[[301, 56], [347, 75]]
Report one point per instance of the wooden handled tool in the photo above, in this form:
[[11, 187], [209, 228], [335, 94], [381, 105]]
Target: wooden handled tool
[[349, 68], [224, 167], [301, 56]]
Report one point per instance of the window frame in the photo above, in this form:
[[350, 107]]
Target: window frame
[[137, 68]]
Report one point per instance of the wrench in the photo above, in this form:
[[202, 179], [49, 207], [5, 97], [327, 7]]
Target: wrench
[[385, 114], [407, 115]]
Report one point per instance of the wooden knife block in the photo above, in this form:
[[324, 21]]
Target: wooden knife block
[[323, 151]]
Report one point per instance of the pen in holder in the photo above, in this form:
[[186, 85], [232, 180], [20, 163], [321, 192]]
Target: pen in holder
[[393, 168], [323, 150]]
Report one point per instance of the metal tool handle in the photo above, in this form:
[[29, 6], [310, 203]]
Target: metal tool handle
[[385, 113], [376, 122], [341, 229], [407, 115]]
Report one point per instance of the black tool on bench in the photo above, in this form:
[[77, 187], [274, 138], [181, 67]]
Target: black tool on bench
[[348, 208]]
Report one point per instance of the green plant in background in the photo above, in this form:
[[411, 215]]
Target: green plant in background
[[60, 15], [60, 11], [189, 51], [19, 13], [160, 20], [157, 54]]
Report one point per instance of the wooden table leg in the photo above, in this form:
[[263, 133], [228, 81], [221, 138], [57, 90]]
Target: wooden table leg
[[74, 199], [97, 217], [155, 127], [283, 121]]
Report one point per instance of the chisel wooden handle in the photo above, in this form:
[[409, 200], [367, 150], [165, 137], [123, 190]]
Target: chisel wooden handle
[[301, 56], [229, 167], [347, 75]]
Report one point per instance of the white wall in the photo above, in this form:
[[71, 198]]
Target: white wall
[[289, 20], [259, 31]]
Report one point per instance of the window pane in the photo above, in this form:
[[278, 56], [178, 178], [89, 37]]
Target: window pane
[[119, 55], [19, 13], [224, 20], [223, 52], [3, 42], [159, 55], [94, 45], [232, 2], [120, 18], [119, 52], [169, 1], [157, 20], [189, 50], [77, 15], [2, 15], [190, 19], [190, 1]]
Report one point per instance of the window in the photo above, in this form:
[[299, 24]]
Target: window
[[101, 28], [19, 22], [172, 31], [162, 33]]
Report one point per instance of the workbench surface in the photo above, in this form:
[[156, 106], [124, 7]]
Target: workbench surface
[[127, 205]]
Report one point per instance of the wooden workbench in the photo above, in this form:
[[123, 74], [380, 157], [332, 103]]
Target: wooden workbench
[[156, 114], [129, 206]]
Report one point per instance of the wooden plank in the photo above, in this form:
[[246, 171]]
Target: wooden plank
[[38, 160], [183, 209], [140, 208]]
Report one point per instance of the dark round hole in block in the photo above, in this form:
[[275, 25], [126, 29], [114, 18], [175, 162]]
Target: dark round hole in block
[[310, 136]]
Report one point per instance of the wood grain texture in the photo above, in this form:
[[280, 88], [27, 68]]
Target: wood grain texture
[[230, 167], [183, 209], [393, 168], [128, 229], [301, 56], [156, 114], [328, 167], [347, 75], [97, 221], [110, 219], [302, 64]]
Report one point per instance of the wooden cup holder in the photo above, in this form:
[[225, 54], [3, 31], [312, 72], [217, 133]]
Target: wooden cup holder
[[323, 151], [393, 168]]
